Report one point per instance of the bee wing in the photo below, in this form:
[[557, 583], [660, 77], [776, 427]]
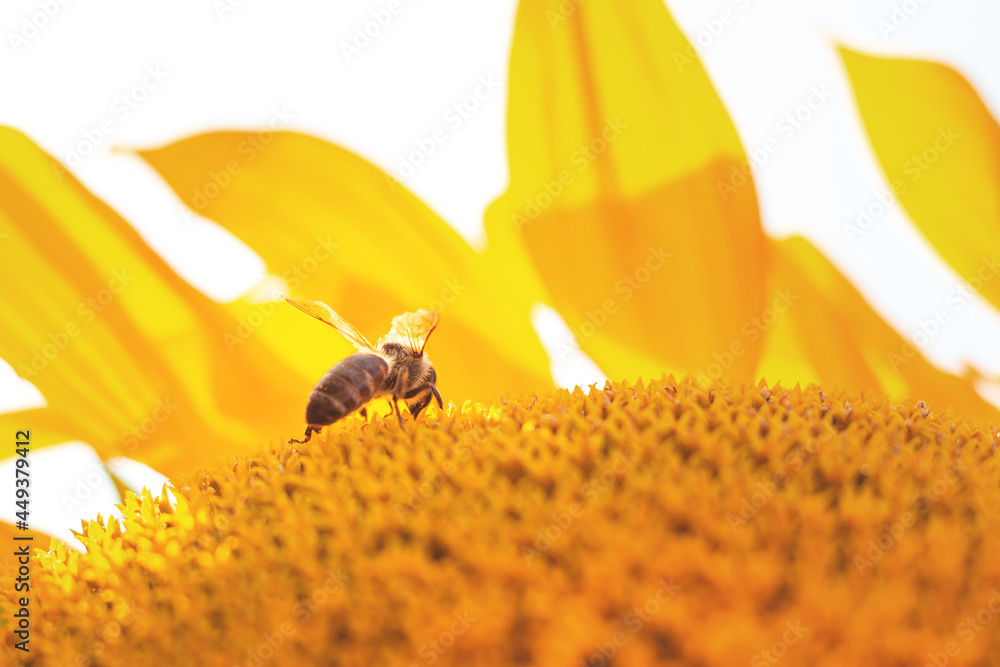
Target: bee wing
[[413, 329], [325, 313]]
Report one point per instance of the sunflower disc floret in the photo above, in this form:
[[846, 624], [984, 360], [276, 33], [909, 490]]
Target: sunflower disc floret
[[650, 523]]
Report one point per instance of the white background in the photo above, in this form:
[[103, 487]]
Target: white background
[[229, 65]]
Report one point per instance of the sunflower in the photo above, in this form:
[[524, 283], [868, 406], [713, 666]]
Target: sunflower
[[662, 522], [623, 213], [631, 210]]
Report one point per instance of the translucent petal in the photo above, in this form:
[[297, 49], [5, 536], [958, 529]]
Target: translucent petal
[[339, 230], [818, 328], [940, 149], [626, 190], [129, 357]]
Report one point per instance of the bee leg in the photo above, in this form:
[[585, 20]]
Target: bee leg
[[437, 396], [364, 413], [399, 415], [309, 431], [397, 391]]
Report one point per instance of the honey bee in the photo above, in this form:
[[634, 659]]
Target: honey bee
[[395, 368]]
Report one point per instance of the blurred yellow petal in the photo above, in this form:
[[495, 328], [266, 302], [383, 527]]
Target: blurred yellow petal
[[338, 230], [9, 563], [129, 357], [58, 426], [626, 189], [818, 329], [940, 149]]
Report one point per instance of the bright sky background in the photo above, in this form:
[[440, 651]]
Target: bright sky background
[[225, 64]]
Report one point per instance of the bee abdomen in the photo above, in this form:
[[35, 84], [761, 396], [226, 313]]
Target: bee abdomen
[[346, 387]]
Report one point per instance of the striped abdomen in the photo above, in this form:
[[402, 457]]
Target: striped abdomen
[[346, 387]]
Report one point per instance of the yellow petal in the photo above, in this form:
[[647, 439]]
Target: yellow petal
[[818, 329], [48, 426], [338, 230], [9, 563], [129, 357], [940, 149], [621, 153]]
